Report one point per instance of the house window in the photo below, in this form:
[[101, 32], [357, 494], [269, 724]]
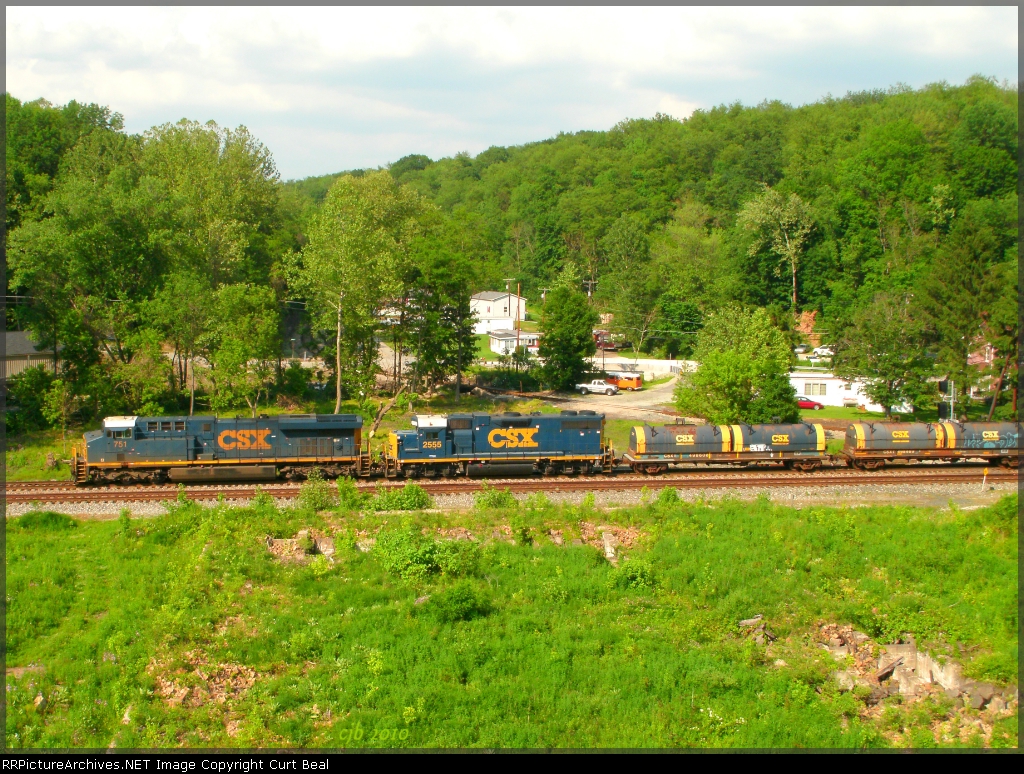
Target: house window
[[847, 386], [812, 388], [505, 311]]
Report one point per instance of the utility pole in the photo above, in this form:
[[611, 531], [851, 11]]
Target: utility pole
[[544, 295], [590, 287], [517, 316]]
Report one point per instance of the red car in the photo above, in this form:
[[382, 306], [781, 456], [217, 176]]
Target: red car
[[807, 403]]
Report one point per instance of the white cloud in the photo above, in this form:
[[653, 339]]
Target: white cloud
[[332, 88]]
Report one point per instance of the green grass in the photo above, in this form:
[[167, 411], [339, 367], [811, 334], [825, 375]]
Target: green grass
[[25, 455], [841, 412], [483, 348], [656, 382], [515, 646]]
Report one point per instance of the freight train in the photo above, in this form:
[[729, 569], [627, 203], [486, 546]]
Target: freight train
[[193, 449]]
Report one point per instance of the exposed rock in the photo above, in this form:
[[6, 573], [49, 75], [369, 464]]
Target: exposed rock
[[780, 663], [127, 717], [421, 600], [610, 544], [556, 536], [997, 704], [845, 679], [108, 656], [325, 546], [51, 460], [40, 702], [366, 545], [577, 542], [751, 621], [910, 682], [893, 652]]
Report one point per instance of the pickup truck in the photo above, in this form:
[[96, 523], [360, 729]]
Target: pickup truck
[[598, 385]]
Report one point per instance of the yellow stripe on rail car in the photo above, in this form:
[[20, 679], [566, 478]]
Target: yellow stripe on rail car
[[737, 438], [940, 437], [950, 435], [726, 438], [858, 428], [819, 431], [641, 440]]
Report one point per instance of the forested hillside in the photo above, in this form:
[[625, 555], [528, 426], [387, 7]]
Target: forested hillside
[[892, 215]]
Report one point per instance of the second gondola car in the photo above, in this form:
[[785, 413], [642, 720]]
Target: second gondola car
[[653, 449]]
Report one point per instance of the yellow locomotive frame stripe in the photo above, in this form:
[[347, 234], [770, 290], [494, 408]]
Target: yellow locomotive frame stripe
[[726, 438], [819, 431]]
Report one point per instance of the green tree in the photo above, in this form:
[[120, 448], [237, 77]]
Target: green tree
[[742, 373], [631, 287], [441, 329], [351, 265], [244, 346], [885, 348], [183, 311], [59, 406], [781, 224], [221, 185], [1002, 330], [567, 327]]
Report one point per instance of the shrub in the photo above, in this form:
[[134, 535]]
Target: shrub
[[320, 566], [457, 557], [407, 554], [634, 574], [409, 498], [521, 532], [349, 496], [47, 521], [315, 494], [459, 603], [124, 520], [489, 498], [667, 496]]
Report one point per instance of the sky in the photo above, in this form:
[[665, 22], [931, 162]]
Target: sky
[[329, 89]]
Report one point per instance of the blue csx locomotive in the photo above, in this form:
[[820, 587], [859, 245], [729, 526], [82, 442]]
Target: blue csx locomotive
[[158, 449]]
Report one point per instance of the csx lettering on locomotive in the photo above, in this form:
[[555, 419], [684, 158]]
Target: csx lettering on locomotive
[[512, 438], [243, 439]]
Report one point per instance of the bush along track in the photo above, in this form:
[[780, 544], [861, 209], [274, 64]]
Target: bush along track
[[512, 625]]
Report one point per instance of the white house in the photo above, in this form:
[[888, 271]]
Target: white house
[[496, 311], [830, 390], [504, 342], [21, 353]]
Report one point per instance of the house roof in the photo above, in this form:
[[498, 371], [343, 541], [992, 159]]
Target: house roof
[[506, 334], [19, 344], [493, 295]]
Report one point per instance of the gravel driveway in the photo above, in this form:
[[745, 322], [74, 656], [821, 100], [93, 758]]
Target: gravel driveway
[[653, 404]]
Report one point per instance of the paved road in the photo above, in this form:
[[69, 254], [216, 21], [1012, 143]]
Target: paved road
[[653, 404]]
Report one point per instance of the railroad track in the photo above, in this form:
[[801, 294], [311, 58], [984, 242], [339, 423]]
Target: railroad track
[[65, 492]]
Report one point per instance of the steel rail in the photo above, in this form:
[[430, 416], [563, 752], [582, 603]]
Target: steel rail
[[704, 480]]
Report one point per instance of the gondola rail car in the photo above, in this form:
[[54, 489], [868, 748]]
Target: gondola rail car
[[870, 445], [158, 449], [567, 443], [653, 449]]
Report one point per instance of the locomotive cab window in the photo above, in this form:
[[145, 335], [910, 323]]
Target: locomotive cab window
[[433, 436], [120, 434]]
